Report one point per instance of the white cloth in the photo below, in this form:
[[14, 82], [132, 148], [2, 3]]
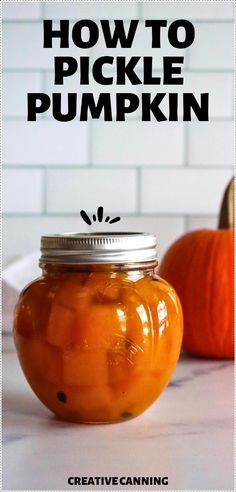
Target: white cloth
[[15, 277]]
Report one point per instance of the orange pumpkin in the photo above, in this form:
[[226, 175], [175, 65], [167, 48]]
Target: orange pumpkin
[[199, 265]]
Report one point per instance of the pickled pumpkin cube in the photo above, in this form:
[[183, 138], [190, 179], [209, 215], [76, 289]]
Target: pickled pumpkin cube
[[73, 295], [96, 327], [90, 402], [104, 288], [51, 364], [85, 368], [69, 298], [60, 326], [40, 361]]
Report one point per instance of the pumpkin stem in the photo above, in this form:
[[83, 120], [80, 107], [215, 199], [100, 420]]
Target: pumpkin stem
[[226, 219]]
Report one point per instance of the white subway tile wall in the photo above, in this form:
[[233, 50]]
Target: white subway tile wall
[[22, 191], [15, 89], [213, 47], [166, 178], [209, 10], [138, 143], [189, 191], [211, 144], [25, 11], [72, 190], [45, 142], [91, 10], [28, 52]]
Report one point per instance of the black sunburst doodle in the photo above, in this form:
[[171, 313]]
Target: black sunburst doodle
[[98, 217]]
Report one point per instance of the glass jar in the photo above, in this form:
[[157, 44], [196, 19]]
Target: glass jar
[[99, 334]]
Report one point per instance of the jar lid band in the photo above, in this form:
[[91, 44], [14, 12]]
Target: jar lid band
[[118, 247]]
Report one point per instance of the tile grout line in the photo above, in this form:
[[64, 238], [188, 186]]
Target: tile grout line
[[126, 19], [186, 145], [43, 10], [118, 167], [90, 144], [138, 191], [44, 193], [139, 10]]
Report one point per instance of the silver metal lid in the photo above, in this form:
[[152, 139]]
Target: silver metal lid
[[118, 247]]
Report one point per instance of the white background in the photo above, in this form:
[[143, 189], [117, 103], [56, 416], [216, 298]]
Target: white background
[[164, 178]]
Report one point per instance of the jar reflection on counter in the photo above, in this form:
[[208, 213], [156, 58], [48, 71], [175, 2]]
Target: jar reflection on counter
[[98, 342]]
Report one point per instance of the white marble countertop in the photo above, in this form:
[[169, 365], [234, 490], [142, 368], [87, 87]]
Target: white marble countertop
[[186, 435]]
